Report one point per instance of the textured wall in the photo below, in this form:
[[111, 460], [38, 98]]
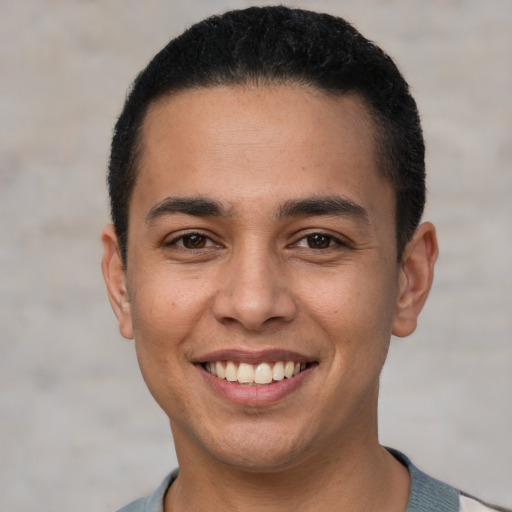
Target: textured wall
[[78, 430]]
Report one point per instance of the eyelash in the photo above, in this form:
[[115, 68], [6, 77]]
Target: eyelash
[[332, 241], [189, 236]]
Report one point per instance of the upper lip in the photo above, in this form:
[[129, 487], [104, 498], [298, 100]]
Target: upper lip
[[254, 357]]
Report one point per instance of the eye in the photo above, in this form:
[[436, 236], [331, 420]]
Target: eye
[[192, 241], [318, 241]]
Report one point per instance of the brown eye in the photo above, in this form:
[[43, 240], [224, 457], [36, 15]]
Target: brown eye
[[194, 241], [318, 241]]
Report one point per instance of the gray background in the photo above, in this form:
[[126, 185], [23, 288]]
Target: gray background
[[78, 430]]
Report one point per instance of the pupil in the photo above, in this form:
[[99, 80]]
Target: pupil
[[194, 241], [318, 241]]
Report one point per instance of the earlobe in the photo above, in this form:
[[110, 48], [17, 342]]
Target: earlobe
[[415, 279], [115, 280]]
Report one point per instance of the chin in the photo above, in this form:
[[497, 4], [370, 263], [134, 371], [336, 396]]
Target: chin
[[269, 462], [258, 450]]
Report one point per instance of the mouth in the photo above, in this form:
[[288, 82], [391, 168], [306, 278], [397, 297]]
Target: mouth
[[261, 374]]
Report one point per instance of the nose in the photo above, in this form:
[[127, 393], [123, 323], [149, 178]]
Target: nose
[[254, 291]]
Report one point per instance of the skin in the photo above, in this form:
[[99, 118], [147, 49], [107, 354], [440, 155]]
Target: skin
[[264, 276]]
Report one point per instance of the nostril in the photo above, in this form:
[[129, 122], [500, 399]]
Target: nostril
[[252, 313]]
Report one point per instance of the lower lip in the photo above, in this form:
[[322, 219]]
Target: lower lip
[[255, 395]]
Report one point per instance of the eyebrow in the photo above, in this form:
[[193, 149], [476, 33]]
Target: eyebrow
[[330, 205], [197, 206], [310, 206]]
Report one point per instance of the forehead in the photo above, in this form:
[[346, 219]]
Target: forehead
[[241, 143]]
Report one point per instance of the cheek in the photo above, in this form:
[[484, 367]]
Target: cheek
[[166, 307], [162, 320], [355, 308]]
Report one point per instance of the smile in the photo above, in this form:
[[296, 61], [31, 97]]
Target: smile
[[254, 374]]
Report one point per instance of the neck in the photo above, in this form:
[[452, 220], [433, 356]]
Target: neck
[[362, 476]]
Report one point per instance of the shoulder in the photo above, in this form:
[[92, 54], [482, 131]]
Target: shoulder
[[155, 501], [470, 504], [135, 506], [430, 495]]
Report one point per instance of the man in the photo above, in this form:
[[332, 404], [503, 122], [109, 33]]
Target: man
[[267, 186]]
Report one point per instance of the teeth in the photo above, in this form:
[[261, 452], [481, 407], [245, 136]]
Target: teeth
[[263, 373], [288, 369], [278, 371], [245, 373], [231, 372], [219, 369]]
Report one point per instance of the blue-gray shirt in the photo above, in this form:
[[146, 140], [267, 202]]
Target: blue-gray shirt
[[426, 495]]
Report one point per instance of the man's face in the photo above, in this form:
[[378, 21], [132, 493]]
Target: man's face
[[261, 236]]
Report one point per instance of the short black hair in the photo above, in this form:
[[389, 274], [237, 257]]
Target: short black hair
[[280, 45]]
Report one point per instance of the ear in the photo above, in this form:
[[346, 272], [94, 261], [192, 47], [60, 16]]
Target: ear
[[415, 279], [115, 279]]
